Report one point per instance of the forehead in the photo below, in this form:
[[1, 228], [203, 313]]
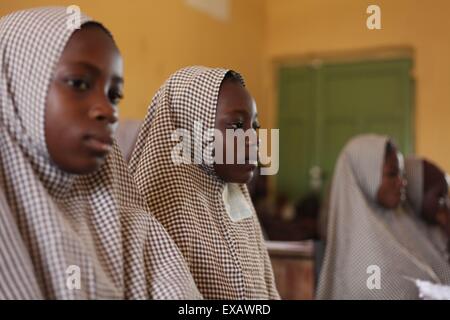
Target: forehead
[[393, 158], [433, 177], [92, 45], [235, 98]]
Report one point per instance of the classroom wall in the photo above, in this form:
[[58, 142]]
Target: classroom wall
[[157, 37], [312, 28]]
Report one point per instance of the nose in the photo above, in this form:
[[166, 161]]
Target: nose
[[104, 111], [444, 203], [252, 140], [251, 144]]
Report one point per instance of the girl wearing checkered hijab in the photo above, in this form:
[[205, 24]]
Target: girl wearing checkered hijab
[[72, 223], [205, 207], [368, 253], [427, 195]]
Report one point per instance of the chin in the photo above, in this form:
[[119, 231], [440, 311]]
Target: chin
[[243, 178], [395, 204], [89, 167]]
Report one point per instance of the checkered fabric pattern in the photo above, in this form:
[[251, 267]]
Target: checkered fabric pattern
[[51, 220], [362, 234], [228, 259]]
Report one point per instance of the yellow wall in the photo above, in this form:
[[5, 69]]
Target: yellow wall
[[298, 28], [157, 37]]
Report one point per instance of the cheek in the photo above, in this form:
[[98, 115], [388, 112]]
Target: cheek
[[59, 111], [442, 216], [67, 153], [229, 149], [381, 195], [54, 133], [62, 127], [393, 188], [431, 205], [386, 196], [63, 134], [430, 208]]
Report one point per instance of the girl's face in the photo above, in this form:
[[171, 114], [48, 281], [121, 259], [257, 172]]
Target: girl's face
[[81, 108], [236, 110], [435, 205], [390, 192]]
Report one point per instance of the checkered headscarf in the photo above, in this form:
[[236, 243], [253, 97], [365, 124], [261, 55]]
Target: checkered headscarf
[[51, 220], [228, 259], [362, 236]]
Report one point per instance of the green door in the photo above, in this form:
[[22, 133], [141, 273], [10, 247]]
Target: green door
[[320, 108]]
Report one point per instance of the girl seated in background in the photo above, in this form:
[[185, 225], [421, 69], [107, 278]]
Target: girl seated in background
[[72, 223], [205, 207], [371, 250], [427, 194]]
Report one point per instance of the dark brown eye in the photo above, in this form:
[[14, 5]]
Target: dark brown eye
[[79, 84], [115, 96], [237, 125]]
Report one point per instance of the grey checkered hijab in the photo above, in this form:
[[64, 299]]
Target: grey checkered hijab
[[362, 234], [51, 220], [228, 259]]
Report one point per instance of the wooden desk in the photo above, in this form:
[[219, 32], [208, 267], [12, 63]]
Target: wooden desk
[[293, 266]]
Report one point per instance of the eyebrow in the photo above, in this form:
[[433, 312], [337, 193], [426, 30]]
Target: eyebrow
[[95, 70], [240, 111], [245, 113]]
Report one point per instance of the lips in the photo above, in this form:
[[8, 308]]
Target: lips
[[100, 145], [249, 165]]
